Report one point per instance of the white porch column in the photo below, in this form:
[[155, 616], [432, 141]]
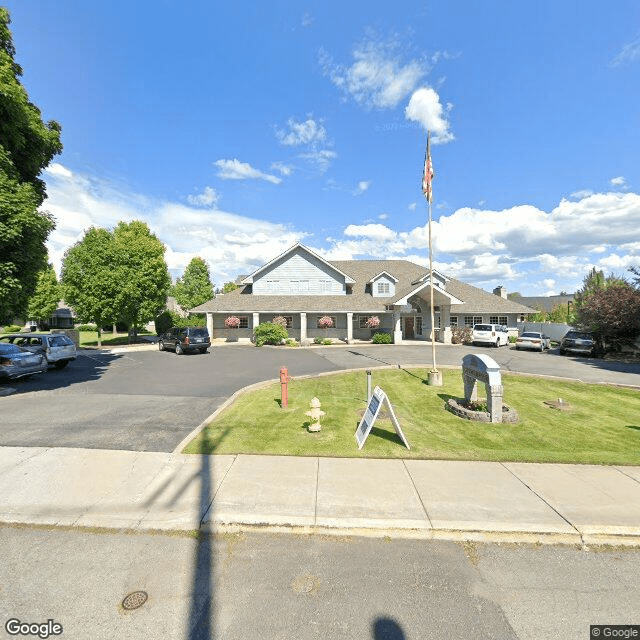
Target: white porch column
[[256, 320], [210, 324], [303, 326], [349, 327], [397, 330], [445, 324]]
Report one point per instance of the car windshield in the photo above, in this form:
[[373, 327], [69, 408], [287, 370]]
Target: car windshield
[[483, 327], [530, 334], [573, 335]]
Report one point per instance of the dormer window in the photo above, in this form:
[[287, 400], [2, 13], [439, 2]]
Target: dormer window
[[383, 288]]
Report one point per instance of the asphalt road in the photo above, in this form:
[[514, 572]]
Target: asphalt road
[[272, 587], [151, 400]]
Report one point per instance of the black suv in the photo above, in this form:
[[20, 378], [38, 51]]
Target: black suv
[[182, 339], [578, 342]]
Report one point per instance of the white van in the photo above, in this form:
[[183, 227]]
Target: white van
[[493, 334]]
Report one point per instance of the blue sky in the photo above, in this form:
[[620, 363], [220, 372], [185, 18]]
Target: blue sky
[[235, 129]]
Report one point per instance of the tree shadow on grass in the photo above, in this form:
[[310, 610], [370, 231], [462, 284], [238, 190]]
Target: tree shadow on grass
[[629, 426]]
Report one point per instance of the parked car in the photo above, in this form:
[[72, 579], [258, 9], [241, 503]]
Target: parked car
[[183, 339], [493, 334], [58, 349], [533, 340], [16, 362], [577, 342]]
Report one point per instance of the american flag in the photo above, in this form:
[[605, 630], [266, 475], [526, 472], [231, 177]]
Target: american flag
[[428, 174]]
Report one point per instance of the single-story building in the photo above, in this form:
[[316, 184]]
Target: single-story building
[[359, 296]]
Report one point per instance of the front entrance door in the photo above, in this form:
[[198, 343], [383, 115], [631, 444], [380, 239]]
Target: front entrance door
[[409, 333]]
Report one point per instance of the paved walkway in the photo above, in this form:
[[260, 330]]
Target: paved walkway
[[124, 490]]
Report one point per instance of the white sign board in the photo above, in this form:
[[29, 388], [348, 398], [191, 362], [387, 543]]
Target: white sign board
[[373, 409]]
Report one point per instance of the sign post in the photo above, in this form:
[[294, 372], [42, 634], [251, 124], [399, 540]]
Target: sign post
[[373, 409]]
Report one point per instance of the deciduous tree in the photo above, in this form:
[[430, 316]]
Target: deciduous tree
[[27, 145], [194, 288], [87, 280], [44, 301]]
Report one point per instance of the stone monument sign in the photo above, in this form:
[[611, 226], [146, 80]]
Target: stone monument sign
[[485, 369]]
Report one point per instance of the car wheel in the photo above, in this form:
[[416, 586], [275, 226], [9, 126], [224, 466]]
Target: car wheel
[[61, 364], [179, 349], [160, 345]]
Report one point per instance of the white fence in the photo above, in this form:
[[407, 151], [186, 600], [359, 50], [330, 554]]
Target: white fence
[[554, 330]]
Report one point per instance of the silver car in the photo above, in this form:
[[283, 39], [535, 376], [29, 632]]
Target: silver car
[[16, 362], [533, 340], [58, 349]]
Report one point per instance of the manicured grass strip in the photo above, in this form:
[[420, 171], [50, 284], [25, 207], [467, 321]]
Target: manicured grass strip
[[602, 426]]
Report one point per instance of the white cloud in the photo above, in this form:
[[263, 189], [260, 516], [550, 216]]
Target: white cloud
[[583, 193], [620, 181], [377, 78], [412, 206], [208, 198], [383, 216], [56, 169], [236, 170], [309, 132], [321, 158], [285, 169], [362, 186], [230, 243], [628, 54], [425, 108], [375, 231]]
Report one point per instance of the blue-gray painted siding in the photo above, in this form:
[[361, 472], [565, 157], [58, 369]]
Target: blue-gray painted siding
[[298, 274]]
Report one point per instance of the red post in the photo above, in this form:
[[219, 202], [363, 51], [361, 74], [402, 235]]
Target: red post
[[284, 387]]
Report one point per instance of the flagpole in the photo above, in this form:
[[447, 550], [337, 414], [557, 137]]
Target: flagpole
[[435, 377]]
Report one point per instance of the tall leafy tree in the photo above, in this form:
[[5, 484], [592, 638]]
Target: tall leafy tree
[[44, 301], [87, 280], [195, 287], [27, 146], [141, 273]]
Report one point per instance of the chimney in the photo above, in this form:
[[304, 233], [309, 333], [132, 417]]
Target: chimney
[[500, 291]]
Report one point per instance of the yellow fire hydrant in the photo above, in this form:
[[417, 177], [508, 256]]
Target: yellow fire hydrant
[[315, 414]]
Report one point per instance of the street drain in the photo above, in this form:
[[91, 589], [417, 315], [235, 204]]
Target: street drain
[[134, 600]]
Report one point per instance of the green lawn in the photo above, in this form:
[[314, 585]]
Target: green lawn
[[602, 426], [90, 338]]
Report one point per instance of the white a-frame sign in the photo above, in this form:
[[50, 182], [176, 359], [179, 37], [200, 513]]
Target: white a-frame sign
[[370, 415]]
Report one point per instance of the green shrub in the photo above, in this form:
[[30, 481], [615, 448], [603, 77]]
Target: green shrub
[[87, 327], [381, 338], [461, 335], [12, 328], [168, 319], [512, 339], [270, 333], [291, 342], [318, 340]]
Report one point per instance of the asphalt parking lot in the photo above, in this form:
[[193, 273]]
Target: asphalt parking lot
[[150, 400]]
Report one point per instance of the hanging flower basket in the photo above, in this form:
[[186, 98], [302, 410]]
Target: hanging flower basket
[[232, 322], [373, 322], [325, 322]]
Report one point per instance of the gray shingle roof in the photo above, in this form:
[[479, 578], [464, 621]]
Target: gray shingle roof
[[362, 271]]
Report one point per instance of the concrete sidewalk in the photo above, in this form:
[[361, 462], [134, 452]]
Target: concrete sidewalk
[[552, 503]]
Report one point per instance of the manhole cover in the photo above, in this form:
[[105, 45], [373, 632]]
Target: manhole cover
[[134, 600]]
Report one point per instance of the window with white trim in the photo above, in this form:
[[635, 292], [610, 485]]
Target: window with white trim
[[244, 322], [453, 321], [419, 325], [383, 288]]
